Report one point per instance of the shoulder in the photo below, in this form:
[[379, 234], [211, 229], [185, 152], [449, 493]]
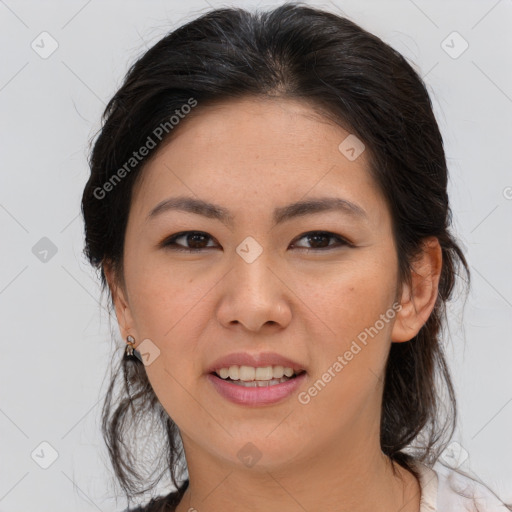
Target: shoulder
[[459, 488], [163, 503], [445, 488], [155, 505]]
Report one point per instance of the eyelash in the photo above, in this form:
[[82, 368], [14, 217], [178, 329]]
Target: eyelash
[[170, 242]]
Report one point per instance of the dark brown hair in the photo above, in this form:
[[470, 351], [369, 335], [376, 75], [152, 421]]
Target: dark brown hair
[[351, 77]]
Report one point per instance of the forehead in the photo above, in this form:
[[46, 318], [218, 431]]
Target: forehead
[[249, 121], [256, 148]]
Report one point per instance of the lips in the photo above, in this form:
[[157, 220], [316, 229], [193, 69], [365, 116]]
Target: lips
[[256, 396], [255, 360]]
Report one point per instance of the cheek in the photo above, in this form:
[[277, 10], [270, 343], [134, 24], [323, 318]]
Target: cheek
[[350, 297], [170, 311], [165, 298], [351, 355], [353, 307]]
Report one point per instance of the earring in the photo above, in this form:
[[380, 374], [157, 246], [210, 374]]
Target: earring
[[130, 346]]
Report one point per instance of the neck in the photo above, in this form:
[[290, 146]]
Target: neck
[[355, 481]]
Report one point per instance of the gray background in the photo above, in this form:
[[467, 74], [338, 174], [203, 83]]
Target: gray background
[[55, 334]]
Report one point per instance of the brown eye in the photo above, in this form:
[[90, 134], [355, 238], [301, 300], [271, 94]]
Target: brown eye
[[195, 240], [320, 240]]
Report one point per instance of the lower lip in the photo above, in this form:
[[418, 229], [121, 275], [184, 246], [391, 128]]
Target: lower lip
[[255, 395]]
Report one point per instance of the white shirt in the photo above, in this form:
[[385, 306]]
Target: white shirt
[[446, 490]]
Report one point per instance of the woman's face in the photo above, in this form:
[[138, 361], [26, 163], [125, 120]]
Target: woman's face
[[251, 287]]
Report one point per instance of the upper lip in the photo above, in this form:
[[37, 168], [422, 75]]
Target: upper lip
[[254, 360]]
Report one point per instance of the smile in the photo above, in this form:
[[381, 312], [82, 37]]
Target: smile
[[256, 392]]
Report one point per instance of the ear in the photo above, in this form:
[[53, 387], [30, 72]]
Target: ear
[[119, 297], [418, 300]]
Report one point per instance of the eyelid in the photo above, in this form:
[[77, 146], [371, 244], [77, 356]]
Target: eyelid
[[169, 242], [341, 239]]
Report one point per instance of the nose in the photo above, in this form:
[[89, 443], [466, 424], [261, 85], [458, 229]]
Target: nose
[[254, 295]]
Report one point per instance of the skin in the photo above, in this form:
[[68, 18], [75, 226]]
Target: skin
[[250, 156]]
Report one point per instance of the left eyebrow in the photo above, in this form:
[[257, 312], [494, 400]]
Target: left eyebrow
[[281, 214], [192, 205]]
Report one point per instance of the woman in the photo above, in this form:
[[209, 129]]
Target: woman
[[267, 207]]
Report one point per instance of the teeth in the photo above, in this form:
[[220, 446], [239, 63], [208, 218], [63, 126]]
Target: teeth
[[234, 372], [249, 373], [260, 383], [265, 373], [223, 373], [288, 372]]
